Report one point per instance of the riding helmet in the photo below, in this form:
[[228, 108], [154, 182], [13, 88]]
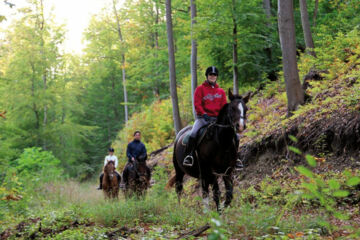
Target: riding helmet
[[111, 150], [213, 70]]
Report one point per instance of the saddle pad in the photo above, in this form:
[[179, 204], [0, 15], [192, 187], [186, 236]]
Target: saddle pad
[[199, 135]]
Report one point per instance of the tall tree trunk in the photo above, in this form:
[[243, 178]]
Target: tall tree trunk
[[235, 55], [315, 12], [294, 91], [193, 55], [41, 25], [172, 71], [122, 63], [267, 8], [306, 28], [157, 75]]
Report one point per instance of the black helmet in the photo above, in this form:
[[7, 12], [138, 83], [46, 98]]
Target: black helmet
[[212, 70], [111, 150]]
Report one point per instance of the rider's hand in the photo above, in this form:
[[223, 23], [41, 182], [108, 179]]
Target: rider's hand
[[132, 159], [206, 117]]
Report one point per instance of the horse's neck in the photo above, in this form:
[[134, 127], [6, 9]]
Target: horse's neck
[[223, 117]]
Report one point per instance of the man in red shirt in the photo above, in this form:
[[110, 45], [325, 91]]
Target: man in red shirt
[[209, 98]]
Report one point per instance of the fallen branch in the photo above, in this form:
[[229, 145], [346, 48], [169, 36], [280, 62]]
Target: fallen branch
[[3, 115], [195, 233]]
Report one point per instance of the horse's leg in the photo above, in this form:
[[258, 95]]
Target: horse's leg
[[229, 190], [179, 176], [205, 192], [216, 193]]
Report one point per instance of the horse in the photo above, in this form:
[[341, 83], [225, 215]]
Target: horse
[[137, 177], [216, 154], [110, 183]]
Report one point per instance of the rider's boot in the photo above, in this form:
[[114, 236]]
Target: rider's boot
[[100, 186], [118, 179], [190, 147]]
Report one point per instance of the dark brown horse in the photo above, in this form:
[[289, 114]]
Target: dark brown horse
[[216, 154], [137, 177], [110, 182]]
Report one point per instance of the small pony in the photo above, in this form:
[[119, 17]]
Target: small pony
[[137, 177], [110, 181]]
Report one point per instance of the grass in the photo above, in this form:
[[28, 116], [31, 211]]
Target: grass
[[75, 210]]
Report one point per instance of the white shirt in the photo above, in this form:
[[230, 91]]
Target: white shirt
[[111, 158]]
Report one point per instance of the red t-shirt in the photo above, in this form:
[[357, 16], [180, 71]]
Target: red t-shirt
[[209, 99]]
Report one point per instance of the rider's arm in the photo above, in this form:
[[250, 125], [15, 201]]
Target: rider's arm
[[116, 161], [143, 150], [105, 161], [128, 154], [198, 102]]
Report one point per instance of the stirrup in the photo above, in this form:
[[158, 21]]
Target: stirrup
[[190, 159], [239, 165]]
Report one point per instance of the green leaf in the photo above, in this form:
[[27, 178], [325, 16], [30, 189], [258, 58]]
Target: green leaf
[[293, 138], [311, 187], [304, 171], [353, 181], [340, 193], [311, 160], [341, 216], [333, 184], [295, 150]]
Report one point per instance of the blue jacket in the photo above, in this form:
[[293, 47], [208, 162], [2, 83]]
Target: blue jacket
[[135, 149]]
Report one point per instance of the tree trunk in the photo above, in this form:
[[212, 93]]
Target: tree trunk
[[157, 75], [267, 8], [315, 12], [122, 63], [235, 55], [172, 72], [306, 28], [44, 70], [294, 91], [193, 55]]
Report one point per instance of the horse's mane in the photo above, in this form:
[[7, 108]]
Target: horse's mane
[[223, 111]]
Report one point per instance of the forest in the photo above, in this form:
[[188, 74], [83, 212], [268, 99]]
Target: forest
[[60, 112]]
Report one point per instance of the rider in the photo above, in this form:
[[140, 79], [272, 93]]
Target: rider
[[209, 98], [110, 157], [134, 149]]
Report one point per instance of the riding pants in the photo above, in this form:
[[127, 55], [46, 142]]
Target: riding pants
[[199, 123]]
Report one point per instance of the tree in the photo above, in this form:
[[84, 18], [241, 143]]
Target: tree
[[122, 62], [294, 91], [193, 55], [235, 50], [172, 71], [306, 28], [267, 8], [315, 12]]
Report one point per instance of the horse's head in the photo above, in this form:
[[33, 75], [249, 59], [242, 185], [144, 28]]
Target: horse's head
[[237, 110], [142, 158], [110, 167]]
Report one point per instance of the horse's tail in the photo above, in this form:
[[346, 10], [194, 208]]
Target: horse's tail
[[171, 181]]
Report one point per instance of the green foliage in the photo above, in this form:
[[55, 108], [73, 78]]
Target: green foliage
[[36, 164]]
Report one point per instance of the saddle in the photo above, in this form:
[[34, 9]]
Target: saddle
[[199, 136]]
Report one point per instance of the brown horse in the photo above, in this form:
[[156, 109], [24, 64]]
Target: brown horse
[[137, 177], [110, 182]]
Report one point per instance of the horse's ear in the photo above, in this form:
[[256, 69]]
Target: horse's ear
[[230, 94], [246, 97]]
